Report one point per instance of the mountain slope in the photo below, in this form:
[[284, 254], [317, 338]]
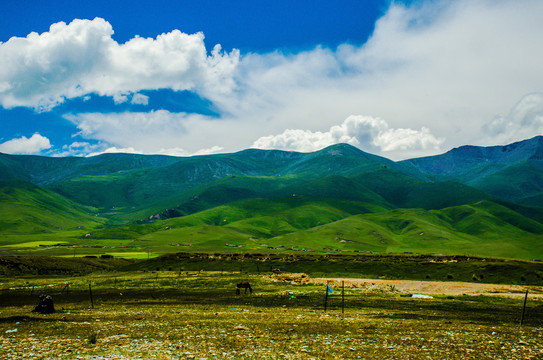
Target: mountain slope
[[338, 198], [29, 209], [513, 172], [486, 229]]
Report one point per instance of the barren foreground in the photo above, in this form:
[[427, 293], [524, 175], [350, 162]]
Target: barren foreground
[[167, 316]]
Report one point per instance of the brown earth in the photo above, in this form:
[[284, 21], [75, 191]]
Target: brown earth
[[435, 287]]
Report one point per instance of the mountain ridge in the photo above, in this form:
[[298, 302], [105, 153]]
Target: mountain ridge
[[339, 197]]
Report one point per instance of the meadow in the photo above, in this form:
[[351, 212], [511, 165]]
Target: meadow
[[196, 314]]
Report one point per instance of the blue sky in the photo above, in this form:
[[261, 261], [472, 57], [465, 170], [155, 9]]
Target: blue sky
[[397, 79]]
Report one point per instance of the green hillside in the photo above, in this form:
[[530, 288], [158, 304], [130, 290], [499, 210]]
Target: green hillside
[[329, 225], [474, 201], [516, 182], [513, 172], [408, 192], [29, 209], [484, 228]]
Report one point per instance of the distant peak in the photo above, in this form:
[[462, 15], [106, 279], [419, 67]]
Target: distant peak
[[341, 149]]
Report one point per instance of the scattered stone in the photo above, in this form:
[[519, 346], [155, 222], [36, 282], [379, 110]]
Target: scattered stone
[[421, 296]]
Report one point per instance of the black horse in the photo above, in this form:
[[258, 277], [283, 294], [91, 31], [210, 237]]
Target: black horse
[[243, 285]]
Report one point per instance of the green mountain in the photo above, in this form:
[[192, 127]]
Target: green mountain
[[27, 208], [124, 186], [472, 200], [513, 172]]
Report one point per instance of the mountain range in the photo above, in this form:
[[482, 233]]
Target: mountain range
[[471, 200]]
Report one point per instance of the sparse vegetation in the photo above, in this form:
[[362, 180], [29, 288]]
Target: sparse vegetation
[[198, 315]]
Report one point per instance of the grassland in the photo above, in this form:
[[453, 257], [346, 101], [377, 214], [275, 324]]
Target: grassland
[[299, 223], [173, 315]]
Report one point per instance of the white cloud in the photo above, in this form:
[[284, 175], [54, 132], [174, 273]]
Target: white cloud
[[149, 132], [78, 148], [524, 121], [120, 98], [446, 66], [140, 99], [372, 134], [171, 152], [72, 60], [23, 145]]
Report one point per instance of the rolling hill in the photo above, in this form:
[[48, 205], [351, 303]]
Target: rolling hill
[[27, 208], [471, 200]]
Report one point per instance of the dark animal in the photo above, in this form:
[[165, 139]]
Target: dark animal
[[243, 285], [45, 305]]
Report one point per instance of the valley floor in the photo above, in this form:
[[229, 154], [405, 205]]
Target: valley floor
[[169, 315]]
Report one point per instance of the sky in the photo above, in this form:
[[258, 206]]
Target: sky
[[399, 79]]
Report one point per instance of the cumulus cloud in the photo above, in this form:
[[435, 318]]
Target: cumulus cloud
[[23, 145], [171, 152], [78, 148], [446, 66], [372, 134], [149, 132], [72, 60], [524, 121], [140, 99]]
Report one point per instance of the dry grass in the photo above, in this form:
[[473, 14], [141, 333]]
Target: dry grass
[[172, 317]]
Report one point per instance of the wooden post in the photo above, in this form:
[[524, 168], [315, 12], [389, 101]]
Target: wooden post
[[90, 292], [524, 308], [342, 299], [326, 296]]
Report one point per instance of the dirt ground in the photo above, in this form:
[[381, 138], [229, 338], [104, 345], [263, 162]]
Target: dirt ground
[[436, 287]]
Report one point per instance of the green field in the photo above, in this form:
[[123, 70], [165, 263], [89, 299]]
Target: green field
[[36, 243]]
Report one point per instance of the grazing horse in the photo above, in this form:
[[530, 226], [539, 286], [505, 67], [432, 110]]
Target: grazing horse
[[243, 285]]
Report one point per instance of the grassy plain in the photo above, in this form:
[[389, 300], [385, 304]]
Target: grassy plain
[[180, 315]]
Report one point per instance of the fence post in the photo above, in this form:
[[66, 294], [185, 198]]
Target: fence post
[[90, 292], [326, 295], [342, 299], [524, 308]]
